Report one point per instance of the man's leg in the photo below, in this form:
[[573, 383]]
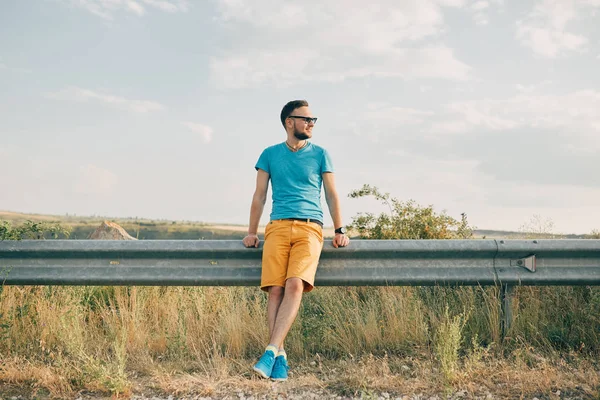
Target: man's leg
[[276, 252], [288, 310], [275, 297], [267, 362], [274, 266], [307, 243]]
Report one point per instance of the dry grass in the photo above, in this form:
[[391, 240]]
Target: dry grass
[[349, 341], [353, 377]]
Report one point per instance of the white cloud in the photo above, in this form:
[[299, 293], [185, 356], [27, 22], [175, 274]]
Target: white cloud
[[399, 115], [135, 8], [204, 130], [458, 182], [384, 119], [568, 206], [547, 42], [95, 180], [480, 5], [168, 6], [283, 68], [334, 41], [106, 8], [4, 151], [479, 10], [525, 88], [6, 67], [462, 185], [575, 116], [577, 113], [531, 88], [545, 28], [348, 22], [450, 127], [83, 95], [476, 114]]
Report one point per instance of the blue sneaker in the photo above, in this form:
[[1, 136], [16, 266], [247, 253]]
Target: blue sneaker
[[280, 369], [264, 366]]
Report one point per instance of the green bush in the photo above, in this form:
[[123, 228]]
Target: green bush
[[32, 230], [406, 220]]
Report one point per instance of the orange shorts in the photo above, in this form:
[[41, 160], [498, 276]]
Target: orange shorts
[[291, 250]]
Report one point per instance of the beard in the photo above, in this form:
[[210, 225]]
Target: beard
[[300, 135]]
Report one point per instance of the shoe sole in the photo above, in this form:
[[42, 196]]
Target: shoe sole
[[279, 379], [261, 373]]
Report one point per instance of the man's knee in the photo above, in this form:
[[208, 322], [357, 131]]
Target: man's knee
[[294, 285], [276, 292]]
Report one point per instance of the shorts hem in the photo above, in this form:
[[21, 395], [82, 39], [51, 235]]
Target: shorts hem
[[265, 287], [308, 286]]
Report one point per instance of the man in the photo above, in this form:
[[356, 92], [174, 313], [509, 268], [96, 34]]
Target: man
[[294, 236]]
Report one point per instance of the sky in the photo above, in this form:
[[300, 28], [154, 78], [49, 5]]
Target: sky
[[160, 109]]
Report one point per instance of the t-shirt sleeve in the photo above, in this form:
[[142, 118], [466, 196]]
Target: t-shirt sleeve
[[326, 164], [263, 162]]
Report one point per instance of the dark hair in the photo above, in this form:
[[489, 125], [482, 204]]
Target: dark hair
[[290, 107]]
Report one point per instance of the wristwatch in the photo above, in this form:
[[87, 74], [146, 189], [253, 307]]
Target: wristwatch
[[341, 230]]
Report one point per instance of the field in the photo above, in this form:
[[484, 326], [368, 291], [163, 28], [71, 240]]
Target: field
[[143, 229], [147, 229], [368, 342]]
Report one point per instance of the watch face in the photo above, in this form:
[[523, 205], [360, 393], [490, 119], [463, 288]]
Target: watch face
[[341, 230]]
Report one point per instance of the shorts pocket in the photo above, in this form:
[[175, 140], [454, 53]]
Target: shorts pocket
[[318, 232], [270, 228]]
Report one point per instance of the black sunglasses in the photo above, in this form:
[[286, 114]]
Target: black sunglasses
[[307, 120]]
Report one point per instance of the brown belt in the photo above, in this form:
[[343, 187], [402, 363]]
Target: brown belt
[[315, 221]]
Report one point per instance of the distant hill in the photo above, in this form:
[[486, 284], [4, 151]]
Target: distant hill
[[141, 228]]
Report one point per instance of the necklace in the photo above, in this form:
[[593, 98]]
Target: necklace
[[299, 148]]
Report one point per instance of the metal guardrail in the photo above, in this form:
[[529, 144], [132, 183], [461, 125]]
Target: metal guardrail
[[506, 263], [363, 263]]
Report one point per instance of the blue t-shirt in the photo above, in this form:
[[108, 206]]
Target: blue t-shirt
[[296, 179]]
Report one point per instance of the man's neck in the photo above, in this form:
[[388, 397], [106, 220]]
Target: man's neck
[[294, 144]]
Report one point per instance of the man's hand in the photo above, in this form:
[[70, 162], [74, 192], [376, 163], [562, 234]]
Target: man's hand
[[251, 240], [340, 240]]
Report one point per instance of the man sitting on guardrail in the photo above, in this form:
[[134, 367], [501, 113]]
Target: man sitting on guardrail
[[297, 170]]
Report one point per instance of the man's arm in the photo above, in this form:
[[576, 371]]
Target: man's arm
[[257, 207], [333, 202]]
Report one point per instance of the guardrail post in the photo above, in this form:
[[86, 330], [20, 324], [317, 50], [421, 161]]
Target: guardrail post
[[506, 295]]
